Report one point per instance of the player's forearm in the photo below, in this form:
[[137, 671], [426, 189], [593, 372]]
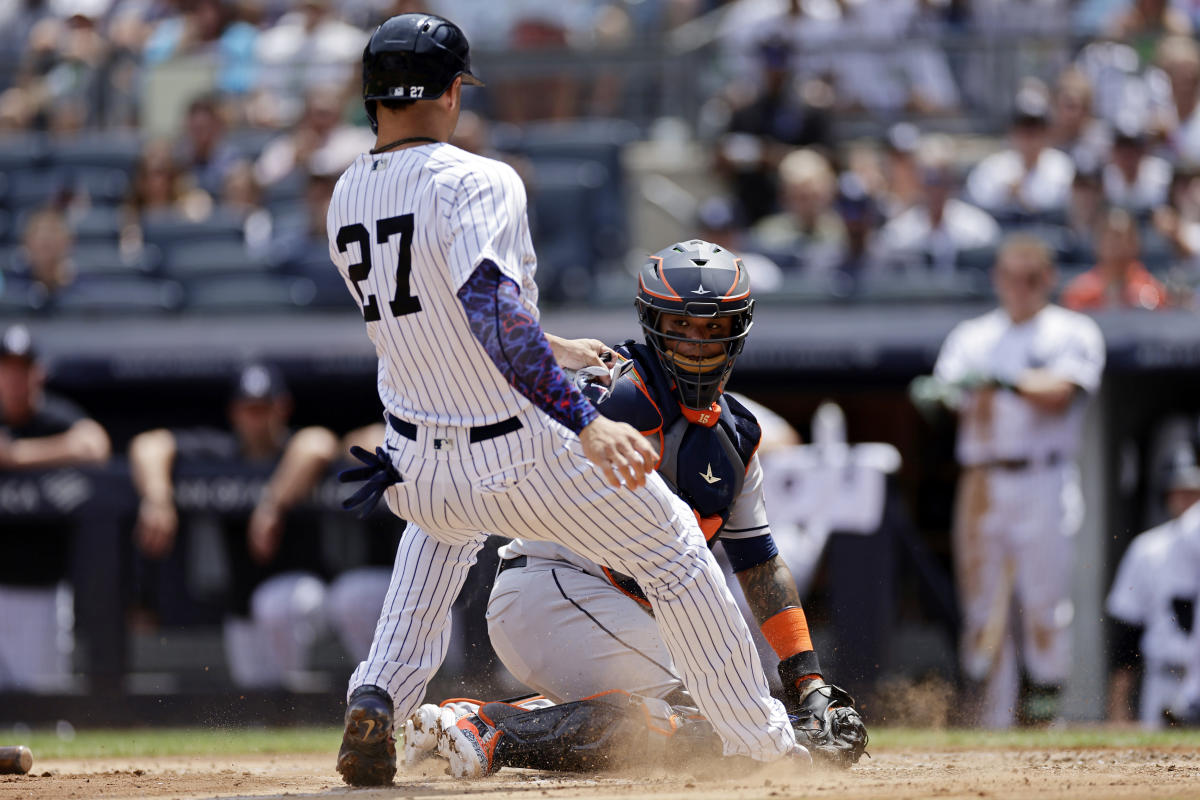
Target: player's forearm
[[769, 588], [517, 346], [151, 457], [1046, 390], [306, 459], [85, 443]]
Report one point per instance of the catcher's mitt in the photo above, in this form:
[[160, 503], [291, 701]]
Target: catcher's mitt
[[827, 723]]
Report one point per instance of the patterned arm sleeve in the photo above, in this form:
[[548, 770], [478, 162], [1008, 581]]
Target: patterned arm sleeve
[[514, 340]]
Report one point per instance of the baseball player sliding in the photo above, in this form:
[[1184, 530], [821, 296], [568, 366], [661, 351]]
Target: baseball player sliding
[[572, 628], [1019, 377], [485, 431]]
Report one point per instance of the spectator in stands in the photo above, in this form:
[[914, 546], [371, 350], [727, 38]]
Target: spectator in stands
[[935, 231], [276, 595], [1118, 280], [1142, 23], [890, 66], [1030, 179], [1178, 221], [213, 28], [46, 245], [301, 244], [38, 431], [307, 48], [160, 188], [205, 153], [242, 196], [901, 172], [765, 125], [807, 233], [64, 66], [1073, 127], [717, 222], [860, 216], [1134, 179], [320, 136], [1178, 119], [1084, 211]]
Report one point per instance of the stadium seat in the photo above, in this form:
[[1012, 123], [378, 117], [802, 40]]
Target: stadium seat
[[114, 294], [250, 142], [108, 259], [246, 293], [565, 225], [97, 224], [35, 188], [20, 296], [102, 185], [169, 230], [185, 260], [113, 150], [21, 151]]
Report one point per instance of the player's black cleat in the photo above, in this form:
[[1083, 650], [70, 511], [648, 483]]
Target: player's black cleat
[[368, 754]]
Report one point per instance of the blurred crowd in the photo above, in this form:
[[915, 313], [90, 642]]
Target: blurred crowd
[[854, 149]]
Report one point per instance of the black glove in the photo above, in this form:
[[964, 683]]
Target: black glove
[[378, 474], [827, 723]]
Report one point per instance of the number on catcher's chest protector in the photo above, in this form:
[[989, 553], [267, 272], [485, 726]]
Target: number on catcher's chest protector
[[403, 302]]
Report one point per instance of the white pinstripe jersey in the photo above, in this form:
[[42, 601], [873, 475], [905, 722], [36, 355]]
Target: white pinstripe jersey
[[406, 230]]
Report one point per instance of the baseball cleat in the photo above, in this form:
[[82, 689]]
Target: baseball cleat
[[368, 753], [471, 748], [800, 756], [421, 734]]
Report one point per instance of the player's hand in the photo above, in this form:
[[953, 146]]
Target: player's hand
[[580, 353], [157, 523], [619, 450], [265, 531]]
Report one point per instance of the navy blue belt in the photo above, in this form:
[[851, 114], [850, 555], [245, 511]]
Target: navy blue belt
[[512, 563], [478, 434]]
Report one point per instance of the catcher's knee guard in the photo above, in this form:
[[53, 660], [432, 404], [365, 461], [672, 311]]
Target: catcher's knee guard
[[598, 732]]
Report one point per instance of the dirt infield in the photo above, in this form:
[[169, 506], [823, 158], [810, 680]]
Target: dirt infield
[[1094, 773]]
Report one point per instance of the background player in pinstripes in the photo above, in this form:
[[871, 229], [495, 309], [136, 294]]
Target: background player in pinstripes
[[486, 433]]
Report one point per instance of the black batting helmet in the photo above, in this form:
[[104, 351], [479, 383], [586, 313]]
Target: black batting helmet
[[695, 279], [414, 57]]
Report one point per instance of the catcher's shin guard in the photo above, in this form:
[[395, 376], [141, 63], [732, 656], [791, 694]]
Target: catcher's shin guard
[[596, 733]]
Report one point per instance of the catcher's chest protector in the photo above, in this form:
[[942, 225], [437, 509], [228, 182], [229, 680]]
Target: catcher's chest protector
[[705, 465]]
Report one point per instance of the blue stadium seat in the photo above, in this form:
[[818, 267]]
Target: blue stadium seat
[[20, 296], [22, 150], [249, 292], [103, 185], [169, 230], [250, 142], [116, 294], [97, 224], [564, 225], [35, 188], [108, 259], [113, 150], [223, 257]]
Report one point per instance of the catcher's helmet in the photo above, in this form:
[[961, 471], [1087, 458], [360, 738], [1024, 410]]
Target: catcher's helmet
[[695, 279], [414, 57]]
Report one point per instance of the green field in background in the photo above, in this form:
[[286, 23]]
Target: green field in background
[[225, 741]]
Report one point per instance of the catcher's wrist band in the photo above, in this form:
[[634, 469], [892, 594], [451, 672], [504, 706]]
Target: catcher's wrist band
[[787, 632]]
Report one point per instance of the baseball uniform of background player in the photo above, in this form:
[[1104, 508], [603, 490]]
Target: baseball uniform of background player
[[1156, 589], [1019, 503], [433, 243]]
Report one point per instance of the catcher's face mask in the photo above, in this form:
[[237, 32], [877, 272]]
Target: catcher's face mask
[[695, 308]]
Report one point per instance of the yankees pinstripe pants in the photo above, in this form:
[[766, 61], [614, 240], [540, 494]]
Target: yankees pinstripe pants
[[536, 483]]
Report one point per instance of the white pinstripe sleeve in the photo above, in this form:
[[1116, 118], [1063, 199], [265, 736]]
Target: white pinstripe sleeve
[[485, 222]]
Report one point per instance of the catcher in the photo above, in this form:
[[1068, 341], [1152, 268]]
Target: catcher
[[572, 629]]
